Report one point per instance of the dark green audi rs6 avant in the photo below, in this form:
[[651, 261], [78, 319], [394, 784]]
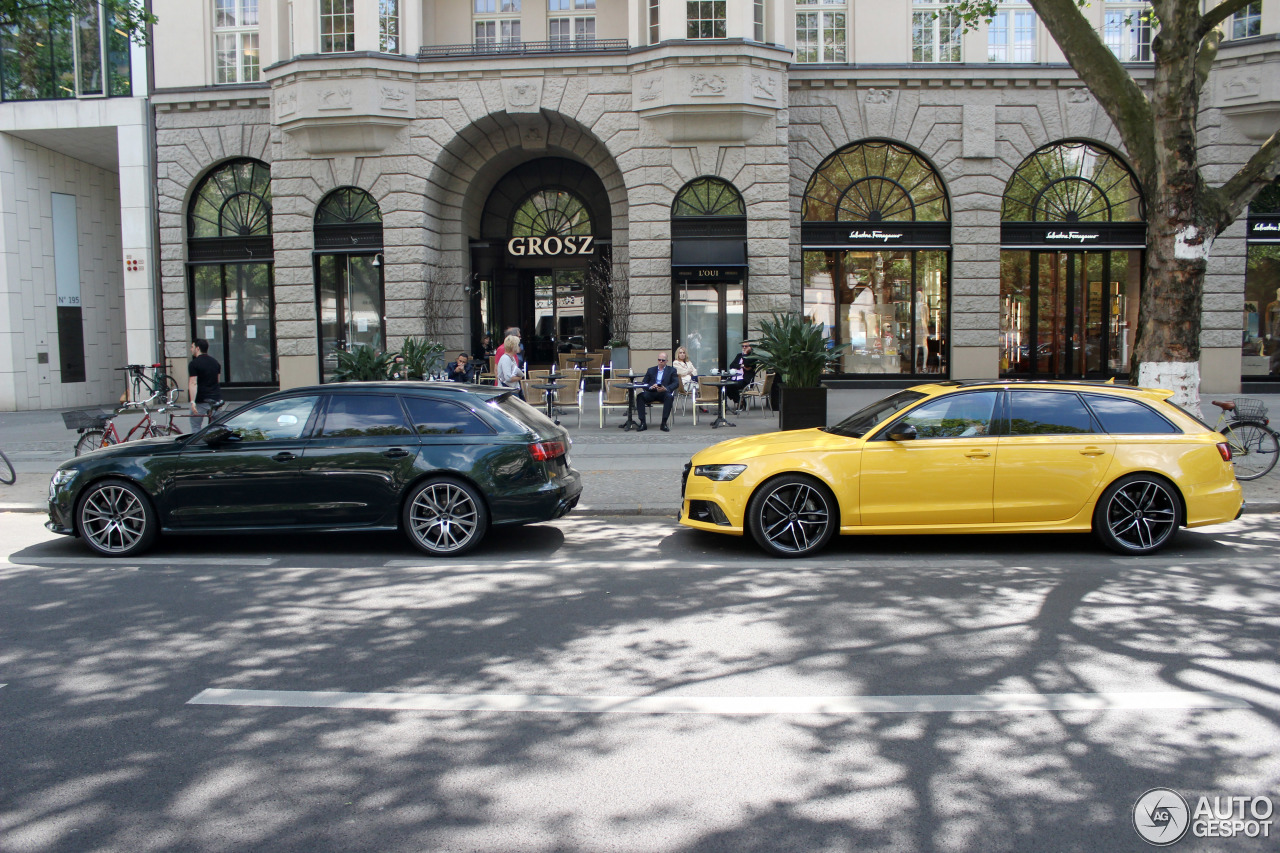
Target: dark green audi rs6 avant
[[442, 462]]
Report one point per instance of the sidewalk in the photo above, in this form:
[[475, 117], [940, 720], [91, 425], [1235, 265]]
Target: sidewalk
[[624, 473]]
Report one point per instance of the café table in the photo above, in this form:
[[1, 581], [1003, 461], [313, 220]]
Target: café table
[[549, 390], [632, 387], [722, 384]]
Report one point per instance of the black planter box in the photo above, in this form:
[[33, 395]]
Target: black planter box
[[802, 408]]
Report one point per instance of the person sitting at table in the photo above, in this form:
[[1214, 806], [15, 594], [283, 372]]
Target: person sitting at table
[[461, 369], [509, 372], [660, 383], [743, 371], [687, 372]]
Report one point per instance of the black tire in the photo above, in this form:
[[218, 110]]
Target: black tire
[[1137, 514], [115, 519], [1254, 449], [169, 389], [792, 516], [92, 439], [444, 517], [7, 475]]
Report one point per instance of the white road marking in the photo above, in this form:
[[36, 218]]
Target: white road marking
[[841, 705]]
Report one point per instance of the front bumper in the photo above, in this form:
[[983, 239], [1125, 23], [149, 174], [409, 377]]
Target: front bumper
[[60, 519]]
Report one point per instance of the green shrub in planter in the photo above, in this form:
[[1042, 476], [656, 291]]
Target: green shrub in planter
[[422, 357], [795, 350], [362, 364]]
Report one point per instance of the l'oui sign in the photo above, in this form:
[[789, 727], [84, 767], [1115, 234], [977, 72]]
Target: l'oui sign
[[524, 246]]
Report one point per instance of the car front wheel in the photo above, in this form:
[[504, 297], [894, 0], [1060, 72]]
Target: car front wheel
[[792, 516], [115, 519], [445, 518], [1137, 514]]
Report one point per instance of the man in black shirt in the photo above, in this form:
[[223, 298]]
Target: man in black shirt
[[202, 386]]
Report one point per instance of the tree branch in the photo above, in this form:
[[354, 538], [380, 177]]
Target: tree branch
[[1119, 94], [1235, 194], [1215, 16], [1206, 55]]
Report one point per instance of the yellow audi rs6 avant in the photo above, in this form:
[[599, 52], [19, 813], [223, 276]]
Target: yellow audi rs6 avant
[[973, 457]]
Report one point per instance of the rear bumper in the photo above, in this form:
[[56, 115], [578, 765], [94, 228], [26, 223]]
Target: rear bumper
[[545, 502], [1214, 503]]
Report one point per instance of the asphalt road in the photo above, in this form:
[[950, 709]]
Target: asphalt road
[[623, 684]]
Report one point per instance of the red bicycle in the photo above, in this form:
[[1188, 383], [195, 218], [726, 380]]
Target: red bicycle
[[98, 429]]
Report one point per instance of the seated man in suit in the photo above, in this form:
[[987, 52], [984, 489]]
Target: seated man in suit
[[460, 370], [660, 383]]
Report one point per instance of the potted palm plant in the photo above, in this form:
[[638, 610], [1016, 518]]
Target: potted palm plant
[[798, 353]]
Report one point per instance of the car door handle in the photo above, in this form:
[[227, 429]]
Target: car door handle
[[1092, 451], [283, 456], [978, 454], [395, 453]]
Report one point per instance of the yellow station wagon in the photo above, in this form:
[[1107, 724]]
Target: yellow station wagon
[[974, 457]]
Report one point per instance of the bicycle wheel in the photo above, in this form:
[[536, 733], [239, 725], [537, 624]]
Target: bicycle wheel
[[1254, 448], [169, 389], [162, 430], [92, 439], [7, 474]]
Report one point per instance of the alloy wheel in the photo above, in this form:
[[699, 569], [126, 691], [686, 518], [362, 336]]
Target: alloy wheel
[[113, 519], [792, 518], [1142, 515], [444, 518]]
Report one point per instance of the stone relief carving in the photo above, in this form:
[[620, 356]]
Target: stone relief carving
[[764, 86], [336, 99], [879, 96], [650, 88], [1242, 86], [287, 103], [705, 85], [522, 94], [1077, 96], [395, 98]]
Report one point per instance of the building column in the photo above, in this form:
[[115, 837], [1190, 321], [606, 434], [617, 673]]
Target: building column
[[137, 239]]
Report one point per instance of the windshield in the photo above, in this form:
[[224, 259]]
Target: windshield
[[860, 422]]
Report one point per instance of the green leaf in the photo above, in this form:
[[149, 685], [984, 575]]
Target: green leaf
[[796, 350]]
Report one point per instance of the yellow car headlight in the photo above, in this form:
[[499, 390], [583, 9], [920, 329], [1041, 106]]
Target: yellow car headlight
[[720, 473]]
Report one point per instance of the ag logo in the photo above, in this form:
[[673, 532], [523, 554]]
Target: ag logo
[[1161, 816]]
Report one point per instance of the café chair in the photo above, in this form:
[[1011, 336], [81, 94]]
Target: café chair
[[611, 398]]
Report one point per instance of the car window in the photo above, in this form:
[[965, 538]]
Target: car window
[[275, 419], [952, 416], [361, 415], [524, 414], [441, 417], [1047, 413], [1120, 416], [860, 422]]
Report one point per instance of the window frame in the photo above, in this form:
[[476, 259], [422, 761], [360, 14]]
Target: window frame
[[389, 20], [332, 19], [937, 12], [1127, 28], [1251, 19], [703, 14], [834, 36], [1010, 11]]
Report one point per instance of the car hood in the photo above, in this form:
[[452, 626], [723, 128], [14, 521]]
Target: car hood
[[767, 444], [136, 447]]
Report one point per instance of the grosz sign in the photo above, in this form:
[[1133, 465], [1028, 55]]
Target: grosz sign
[[532, 246]]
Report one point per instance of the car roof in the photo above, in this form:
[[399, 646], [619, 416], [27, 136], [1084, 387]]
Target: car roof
[[457, 389], [951, 385]]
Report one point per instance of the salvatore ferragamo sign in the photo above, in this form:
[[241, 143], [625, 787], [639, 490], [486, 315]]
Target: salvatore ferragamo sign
[[1071, 236], [882, 236]]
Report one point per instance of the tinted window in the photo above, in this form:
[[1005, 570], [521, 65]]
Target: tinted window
[[439, 417], [861, 421], [525, 415], [277, 419], [952, 416], [1047, 413], [1122, 416], [359, 415]]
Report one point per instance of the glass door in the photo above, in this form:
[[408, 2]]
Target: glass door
[[710, 322], [350, 304], [231, 308]]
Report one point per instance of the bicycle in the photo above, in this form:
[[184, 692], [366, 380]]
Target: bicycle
[[159, 385], [1254, 446], [98, 429], [8, 476]]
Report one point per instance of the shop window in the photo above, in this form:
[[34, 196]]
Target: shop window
[[876, 267], [1260, 349], [709, 265], [231, 271]]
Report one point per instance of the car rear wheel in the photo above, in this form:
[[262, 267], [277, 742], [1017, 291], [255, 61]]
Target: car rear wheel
[[115, 519], [1137, 514], [792, 516], [445, 518]]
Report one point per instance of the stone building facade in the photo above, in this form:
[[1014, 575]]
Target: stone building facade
[[409, 170]]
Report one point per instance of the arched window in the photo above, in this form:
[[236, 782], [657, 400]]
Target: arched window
[[551, 213], [876, 230], [875, 182], [708, 197], [1072, 182], [230, 250], [1072, 235], [349, 275], [709, 270]]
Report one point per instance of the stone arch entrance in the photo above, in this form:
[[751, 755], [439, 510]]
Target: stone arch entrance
[[480, 179]]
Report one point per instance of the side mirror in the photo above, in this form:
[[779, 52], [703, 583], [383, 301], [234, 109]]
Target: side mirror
[[902, 432], [218, 434]]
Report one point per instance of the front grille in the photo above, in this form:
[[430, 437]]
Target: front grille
[[684, 477]]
